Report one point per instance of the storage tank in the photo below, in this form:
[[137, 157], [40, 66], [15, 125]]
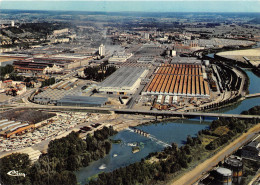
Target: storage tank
[[224, 176], [173, 53], [235, 164], [206, 62], [167, 99], [174, 99], [159, 99]]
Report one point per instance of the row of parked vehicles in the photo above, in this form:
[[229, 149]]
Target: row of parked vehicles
[[87, 128]]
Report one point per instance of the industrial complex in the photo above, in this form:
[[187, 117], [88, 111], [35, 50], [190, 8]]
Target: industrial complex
[[124, 81], [9, 128], [179, 80], [82, 101], [86, 80], [53, 64]]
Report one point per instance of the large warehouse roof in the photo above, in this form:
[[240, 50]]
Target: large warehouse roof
[[83, 100], [56, 94], [123, 77]]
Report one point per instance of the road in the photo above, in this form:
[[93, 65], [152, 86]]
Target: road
[[256, 179], [135, 96], [252, 95], [183, 114], [16, 98], [193, 175], [141, 112]]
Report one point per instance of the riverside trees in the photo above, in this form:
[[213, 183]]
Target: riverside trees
[[160, 166], [64, 156]]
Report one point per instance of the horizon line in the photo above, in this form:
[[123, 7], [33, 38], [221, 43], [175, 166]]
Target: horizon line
[[94, 11]]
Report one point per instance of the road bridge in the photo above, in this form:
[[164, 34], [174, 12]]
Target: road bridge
[[184, 114], [252, 95], [143, 112]]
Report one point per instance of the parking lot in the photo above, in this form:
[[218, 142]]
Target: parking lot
[[57, 127]]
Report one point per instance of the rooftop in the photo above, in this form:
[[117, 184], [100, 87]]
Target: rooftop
[[56, 94], [123, 77], [83, 100], [224, 171]]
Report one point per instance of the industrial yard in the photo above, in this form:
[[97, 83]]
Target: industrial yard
[[179, 80], [69, 81], [124, 81], [251, 56], [61, 124]]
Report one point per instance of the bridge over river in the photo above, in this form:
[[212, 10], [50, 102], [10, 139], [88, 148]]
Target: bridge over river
[[144, 112], [184, 114], [252, 95]]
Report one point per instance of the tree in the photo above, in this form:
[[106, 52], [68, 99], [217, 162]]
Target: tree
[[108, 146], [18, 162], [190, 141], [110, 70], [91, 73]]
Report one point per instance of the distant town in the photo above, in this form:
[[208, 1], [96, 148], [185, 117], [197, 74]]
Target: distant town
[[119, 98]]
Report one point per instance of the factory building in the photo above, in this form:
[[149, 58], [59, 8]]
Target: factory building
[[146, 59], [51, 96], [60, 32], [39, 65], [178, 80], [125, 80], [11, 128], [252, 150], [6, 58], [119, 58], [82, 101], [149, 50]]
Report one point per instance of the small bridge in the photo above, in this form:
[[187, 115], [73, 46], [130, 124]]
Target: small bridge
[[145, 134], [252, 95]]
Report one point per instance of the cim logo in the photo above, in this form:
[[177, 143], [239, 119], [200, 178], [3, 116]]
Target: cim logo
[[15, 173]]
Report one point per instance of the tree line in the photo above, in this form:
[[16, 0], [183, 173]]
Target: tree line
[[63, 156], [172, 159], [98, 74], [48, 82], [5, 70]]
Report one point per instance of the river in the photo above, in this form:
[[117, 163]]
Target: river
[[247, 103], [169, 132]]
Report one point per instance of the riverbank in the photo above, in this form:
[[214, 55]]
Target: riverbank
[[197, 172], [168, 132], [171, 161], [241, 55], [113, 163]]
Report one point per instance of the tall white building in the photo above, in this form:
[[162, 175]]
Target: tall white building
[[101, 50], [173, 53], [12, 23], [147, 36]]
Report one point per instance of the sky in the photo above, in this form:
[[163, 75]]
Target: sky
[[135, 5]]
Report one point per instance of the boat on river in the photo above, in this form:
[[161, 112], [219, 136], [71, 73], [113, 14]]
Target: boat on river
[[102, 167]]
